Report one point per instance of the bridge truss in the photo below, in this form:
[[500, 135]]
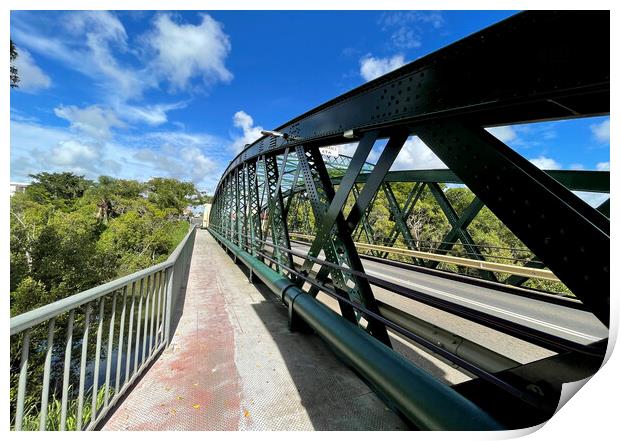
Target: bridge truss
[[531, 67]]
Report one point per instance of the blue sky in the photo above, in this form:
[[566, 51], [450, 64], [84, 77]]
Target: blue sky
[[140, 94]]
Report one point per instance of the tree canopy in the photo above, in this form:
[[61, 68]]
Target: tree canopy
[[69, 234]]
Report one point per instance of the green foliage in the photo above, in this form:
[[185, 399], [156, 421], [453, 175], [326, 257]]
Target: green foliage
[[29, 294], [58, 189], [69, 234], [168, 193], [31, 419]]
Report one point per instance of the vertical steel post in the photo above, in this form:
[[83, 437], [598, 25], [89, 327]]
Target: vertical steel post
[[108, 367], [93, 411], [83, 366], [23, 376], [169, 295], [46, 373], [66, 371], [130, 331], [119, 350]]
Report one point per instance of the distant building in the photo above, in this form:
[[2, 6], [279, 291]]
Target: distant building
[[205, 216], [17, 187]]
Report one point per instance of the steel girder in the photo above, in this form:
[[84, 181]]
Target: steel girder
[[320, 194], [576, 180], [531, 67], [254, 211], [539, 210], [400, 218], [277, 220], [458, 231]]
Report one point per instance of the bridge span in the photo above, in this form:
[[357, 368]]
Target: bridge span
[[234, 363], [249, 329]]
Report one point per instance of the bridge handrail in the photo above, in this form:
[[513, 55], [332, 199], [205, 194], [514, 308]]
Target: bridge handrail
[[164, 283], [45, 312], [534, 273]]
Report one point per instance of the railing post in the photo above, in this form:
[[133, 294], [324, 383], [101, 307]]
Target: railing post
[[169, 303]]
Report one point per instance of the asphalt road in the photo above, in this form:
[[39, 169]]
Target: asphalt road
[[568, 323]]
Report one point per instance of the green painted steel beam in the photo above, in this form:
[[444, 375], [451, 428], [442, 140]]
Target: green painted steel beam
[[400, 221], [549, 78], [568, 235], [576, 180], [463, 235]]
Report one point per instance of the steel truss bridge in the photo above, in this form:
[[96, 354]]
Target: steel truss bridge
[[300, 222], [532, 67]]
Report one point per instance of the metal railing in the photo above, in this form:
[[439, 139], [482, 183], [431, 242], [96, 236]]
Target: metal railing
[[135, 311]]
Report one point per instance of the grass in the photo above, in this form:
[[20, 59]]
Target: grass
[[32, 415]]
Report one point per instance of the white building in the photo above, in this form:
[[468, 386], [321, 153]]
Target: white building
[[17, 187], [205, 216]]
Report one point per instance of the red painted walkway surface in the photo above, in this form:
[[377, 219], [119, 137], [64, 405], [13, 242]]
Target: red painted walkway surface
[[234, 365]]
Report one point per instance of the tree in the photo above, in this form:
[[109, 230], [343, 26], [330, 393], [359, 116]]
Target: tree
[[14, 73], [59, 189], [114, 197], [167, 193]]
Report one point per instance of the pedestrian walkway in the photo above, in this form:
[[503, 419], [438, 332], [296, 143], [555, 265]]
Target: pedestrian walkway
[[234, 365]]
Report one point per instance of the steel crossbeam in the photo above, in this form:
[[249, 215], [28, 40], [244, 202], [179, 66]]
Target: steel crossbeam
[[320, 195], [459, 231], [537, 209], [277, 222], [366, 228], [400, 219]]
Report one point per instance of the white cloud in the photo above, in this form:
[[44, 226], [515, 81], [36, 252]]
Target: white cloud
[[602, 166], [185, 163], [347, 149], [31, 77], [187, 156], [415, 155], [371, 68], [504, 133], [103, 24], [405, 38], [250, 132], [200, 165], [184, 51], [408, 27], [601, 131], [36, 148], [85, 46], [73, 155], [93, 121], [403, 18], [152, 115], [544, 163]]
